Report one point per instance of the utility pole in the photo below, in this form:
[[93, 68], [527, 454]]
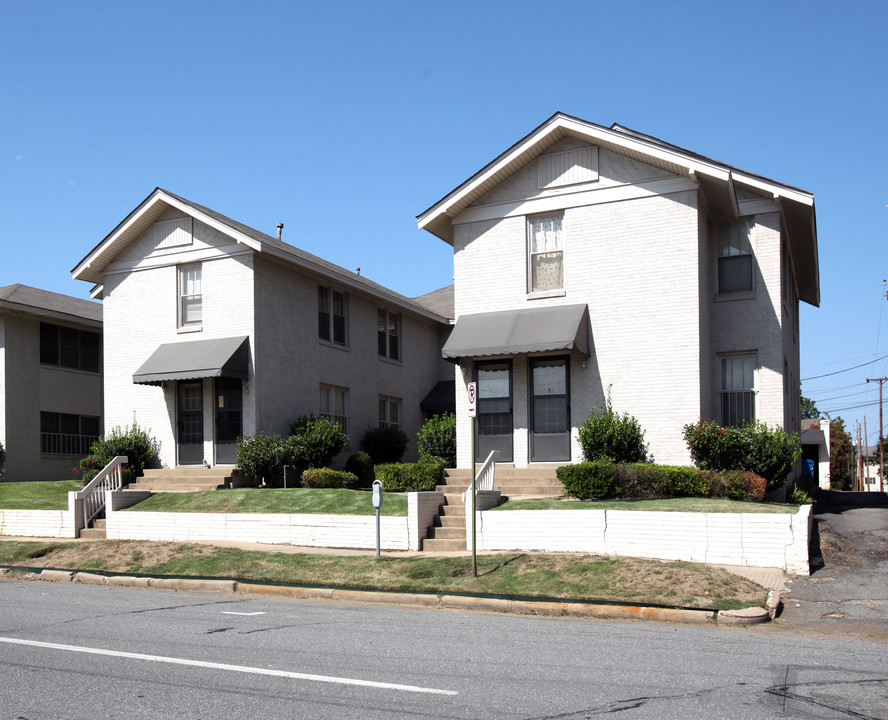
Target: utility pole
[[881, 449]]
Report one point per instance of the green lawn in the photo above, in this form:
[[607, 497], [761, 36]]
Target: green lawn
[[555, 575], [274, 500], [710, 505], [37, 495]]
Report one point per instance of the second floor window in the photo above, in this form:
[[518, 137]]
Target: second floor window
[[734, 249], [331, 315], [69, 347], [545, 253], [190, 297], [389, 334]]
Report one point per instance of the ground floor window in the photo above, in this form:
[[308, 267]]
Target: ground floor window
[[67, 434], [334, 404], [389, 412], [737, 389]]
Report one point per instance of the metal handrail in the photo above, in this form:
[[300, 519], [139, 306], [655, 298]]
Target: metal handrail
[[93, 493], [484, 477]]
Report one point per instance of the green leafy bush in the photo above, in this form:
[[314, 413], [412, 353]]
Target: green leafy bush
[[134, 442], [609, 435], [685, 482], [768, 452], [262, 456], [736, 485], [2, 459], [588, 480], [384, 444], [315, 441], [328, 478], [400, 477], [360, 465], [640, 480], [437, 438]]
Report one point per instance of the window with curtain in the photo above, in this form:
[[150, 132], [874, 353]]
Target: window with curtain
[[389, 412], [389, 334], [333, 405], [332, 315], [545, 253]]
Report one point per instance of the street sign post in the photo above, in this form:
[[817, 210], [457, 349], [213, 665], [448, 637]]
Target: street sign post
[[473, 411]]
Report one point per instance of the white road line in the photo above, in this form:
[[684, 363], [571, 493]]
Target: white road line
[[228, 612], [224, 666]]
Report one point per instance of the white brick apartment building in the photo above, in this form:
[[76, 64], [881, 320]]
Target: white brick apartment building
[[214, 330], [588, 258], [50, 382]]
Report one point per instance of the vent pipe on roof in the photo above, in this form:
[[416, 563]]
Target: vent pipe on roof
[[280, 230], [357, 271]]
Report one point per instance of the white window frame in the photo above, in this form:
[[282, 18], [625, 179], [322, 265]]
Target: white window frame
[[390, 412], [737, 388], [331, 295], [334, 404], [389, 336], [552, 245], [186, 292], [731, 245]]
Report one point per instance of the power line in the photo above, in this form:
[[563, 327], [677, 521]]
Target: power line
[[815, 377]]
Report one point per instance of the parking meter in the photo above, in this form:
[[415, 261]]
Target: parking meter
[[377, 503]]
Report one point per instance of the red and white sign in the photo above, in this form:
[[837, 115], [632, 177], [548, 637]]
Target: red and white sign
[[473, 399]]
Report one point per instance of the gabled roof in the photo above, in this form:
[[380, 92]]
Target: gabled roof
[[715, 180], [51, 305], [92, 267], [439, 301]]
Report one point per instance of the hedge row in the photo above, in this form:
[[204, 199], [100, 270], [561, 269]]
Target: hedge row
[[400, 477], [602, 480]]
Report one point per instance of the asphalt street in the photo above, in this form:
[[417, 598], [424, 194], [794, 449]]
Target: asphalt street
[[847, 591], [80, 651]]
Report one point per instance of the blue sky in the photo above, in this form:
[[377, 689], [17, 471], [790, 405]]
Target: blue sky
[[344, 120]]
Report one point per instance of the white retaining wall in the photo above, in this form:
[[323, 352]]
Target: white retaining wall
[[44, 523], [747, 539], [309, 530]]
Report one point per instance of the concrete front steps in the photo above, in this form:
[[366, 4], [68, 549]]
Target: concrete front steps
[[96, 532], [183, 479], [449, 530]]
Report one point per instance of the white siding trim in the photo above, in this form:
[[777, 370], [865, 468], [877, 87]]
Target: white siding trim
[[173, 233], [570, 167]]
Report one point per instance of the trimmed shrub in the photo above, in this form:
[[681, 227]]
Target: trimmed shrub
[[588, 480], [2, 460], [637, 481], [685, 482], [328, 478], [317, 441], [262, 456], [384, 444], [360, 465], [400, 477], [437, 438], [609, 435], [768, 452], [736, 485], [135, 442]]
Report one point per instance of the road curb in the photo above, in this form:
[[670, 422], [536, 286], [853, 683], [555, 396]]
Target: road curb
[[483, 603]]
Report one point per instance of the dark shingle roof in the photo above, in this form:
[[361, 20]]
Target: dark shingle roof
[[25, 298], [438, 301]]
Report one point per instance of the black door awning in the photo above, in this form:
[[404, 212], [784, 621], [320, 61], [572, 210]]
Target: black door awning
[[219, 357], [514, 332]]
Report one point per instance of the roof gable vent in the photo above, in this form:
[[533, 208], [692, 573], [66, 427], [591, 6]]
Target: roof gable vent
[[173, 233], [569, 167]]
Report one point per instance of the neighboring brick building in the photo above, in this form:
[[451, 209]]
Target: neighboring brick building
[[588, 258], [50, 382], [214, 329]]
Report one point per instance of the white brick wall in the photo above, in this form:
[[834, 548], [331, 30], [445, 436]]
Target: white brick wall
[[37, 523], [745, 539]]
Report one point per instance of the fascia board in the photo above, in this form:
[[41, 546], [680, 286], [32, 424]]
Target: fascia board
[[594, 134], [774, 189], [158, 196]]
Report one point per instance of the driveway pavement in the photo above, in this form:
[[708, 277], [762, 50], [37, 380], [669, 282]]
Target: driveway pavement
[[847, 591]]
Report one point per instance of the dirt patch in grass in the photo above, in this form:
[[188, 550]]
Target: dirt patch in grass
[[549, 575]]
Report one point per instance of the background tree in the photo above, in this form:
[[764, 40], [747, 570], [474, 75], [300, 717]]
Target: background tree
[[841, 456], [808, 408]]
